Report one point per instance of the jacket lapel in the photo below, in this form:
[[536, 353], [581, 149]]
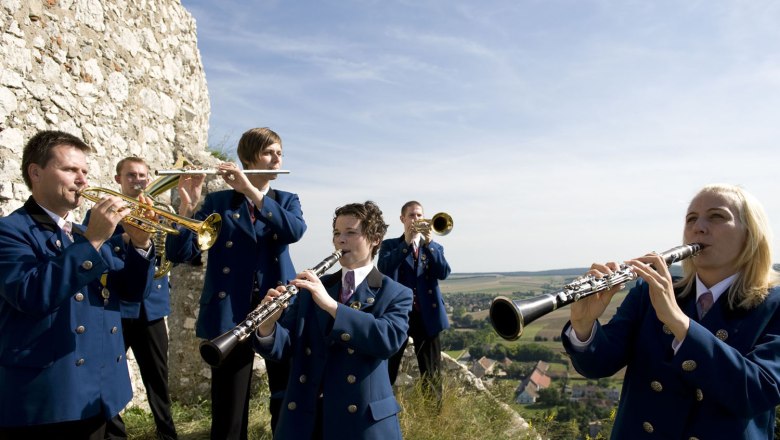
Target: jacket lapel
[[409, 260], [56, 240], [239, 213], [332, 283]]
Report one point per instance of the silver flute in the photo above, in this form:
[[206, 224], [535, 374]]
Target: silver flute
[[215, 171], [215, 350]]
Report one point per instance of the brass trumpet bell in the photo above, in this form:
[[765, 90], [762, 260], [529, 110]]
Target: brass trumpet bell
[[206, 230], [440, 224]]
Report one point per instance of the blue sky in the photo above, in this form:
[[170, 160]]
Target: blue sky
[[556, 133]]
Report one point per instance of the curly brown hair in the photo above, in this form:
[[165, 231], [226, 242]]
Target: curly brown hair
[[371, 221]]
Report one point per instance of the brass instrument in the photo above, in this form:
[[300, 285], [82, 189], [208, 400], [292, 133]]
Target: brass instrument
[[509, 317], [159, 186], [211, 172], [215, 350], [206, 230], [439, 224]]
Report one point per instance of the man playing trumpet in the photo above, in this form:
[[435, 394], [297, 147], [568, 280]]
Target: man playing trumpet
[[415, 261], [143, 324], [63, 371]]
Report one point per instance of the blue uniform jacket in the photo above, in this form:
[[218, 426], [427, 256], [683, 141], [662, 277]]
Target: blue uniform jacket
[[242, 252], [723, 382], [344, 359], [157, 303], [396, 260], [62, 356]]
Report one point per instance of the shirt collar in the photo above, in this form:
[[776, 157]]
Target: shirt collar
[[264, 192], [360, 274], [59, 220], [717, 289]]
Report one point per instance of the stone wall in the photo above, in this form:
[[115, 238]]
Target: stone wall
[[126, 76]]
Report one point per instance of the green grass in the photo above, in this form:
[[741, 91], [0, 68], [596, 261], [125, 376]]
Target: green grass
[[463, 413], [193, 422], [455, 354]]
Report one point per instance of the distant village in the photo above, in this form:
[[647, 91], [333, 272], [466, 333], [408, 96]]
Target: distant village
[[528, 388]]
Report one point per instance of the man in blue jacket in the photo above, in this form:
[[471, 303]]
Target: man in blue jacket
[[143, 324], [415, 261], [250, 256], [63, 371]]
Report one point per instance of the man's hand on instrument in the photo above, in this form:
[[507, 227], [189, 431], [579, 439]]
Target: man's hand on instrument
[[234, 177], [138, 237], [190, 188], [427, 236], [104, 216]]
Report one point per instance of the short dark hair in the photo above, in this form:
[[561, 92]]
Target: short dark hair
[[38, 149], [254, 141], [408, 204], [132, 159], [371, 221]]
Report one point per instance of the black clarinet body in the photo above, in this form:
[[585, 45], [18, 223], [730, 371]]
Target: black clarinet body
[[215, 350], [509, 317]]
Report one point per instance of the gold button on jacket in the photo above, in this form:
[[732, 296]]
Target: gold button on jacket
[[689, 365]]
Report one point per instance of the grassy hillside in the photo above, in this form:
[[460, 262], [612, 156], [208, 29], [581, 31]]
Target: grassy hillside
[[463, 413]]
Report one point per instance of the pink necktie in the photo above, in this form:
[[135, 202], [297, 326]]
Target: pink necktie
[[704, 303], [348, 288]]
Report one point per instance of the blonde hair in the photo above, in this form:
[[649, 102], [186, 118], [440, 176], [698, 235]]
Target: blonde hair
[[756, 275]]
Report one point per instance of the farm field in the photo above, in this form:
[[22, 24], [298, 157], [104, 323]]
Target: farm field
[[503, 284]]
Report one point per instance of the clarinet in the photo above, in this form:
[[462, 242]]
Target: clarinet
[[216, 350], [509, 316]]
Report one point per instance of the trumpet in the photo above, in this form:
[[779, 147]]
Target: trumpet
[[159, 186], [211, 172], [215, 350], [509, 317], [440, 224], [206, 230]]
